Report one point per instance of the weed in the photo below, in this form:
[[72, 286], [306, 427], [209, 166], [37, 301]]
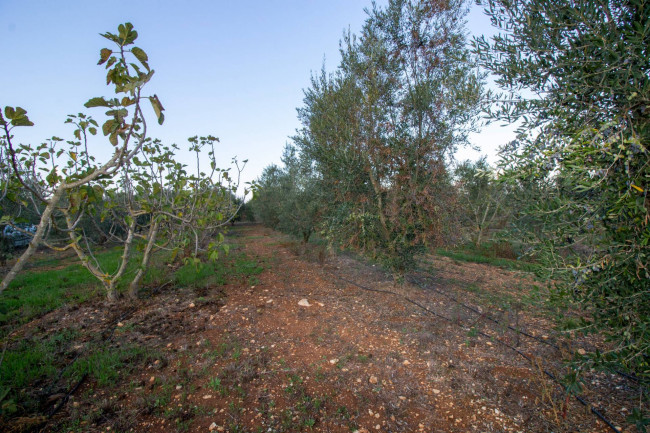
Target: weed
[[236, 353], [215, 384], [343, 412]]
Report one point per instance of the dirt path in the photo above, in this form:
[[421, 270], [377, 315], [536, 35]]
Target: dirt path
[[357, 360], [249, 358]]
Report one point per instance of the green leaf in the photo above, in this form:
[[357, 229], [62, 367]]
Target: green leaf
[[140, 55], [127, 34], [157, 108], [10, 112], [111, 37], [18, 116], [97, 102], [108, 126], [22, 121], [104, 54], [111, 62], [52, 178]]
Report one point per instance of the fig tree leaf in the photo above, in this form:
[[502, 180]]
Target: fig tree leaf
[[96, 102], [157, 108], [104, 54], [22, 121], [140, 55]]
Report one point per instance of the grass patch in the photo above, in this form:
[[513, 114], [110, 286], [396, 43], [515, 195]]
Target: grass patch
[[29, 362], [107, 364], [41, 289], [35, 293], [478, 257], [236, 267]]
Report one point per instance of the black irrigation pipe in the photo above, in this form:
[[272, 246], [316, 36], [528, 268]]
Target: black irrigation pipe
[[641, 384], [65, 399], [519, 352], [517, 330]]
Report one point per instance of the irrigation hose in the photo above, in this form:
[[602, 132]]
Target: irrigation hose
[[522, 354], [519, 331]]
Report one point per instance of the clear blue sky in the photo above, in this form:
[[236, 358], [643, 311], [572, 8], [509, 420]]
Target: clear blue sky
[[234, 69]]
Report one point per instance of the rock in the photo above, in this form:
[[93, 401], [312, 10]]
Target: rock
[[304, 303], [334, 361], [213, 426], [191, 305], [373, 380]]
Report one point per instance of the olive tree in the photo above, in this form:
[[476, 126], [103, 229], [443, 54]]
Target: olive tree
[[482, 198], [289, 198], [381, 129], [577, 75]]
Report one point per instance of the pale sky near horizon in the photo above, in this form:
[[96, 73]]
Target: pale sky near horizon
[[233, 69]]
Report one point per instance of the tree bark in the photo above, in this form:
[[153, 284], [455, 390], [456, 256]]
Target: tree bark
[[36, 240], [153, 233]]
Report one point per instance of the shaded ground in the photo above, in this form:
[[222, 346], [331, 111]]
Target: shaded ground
[[246, 357]]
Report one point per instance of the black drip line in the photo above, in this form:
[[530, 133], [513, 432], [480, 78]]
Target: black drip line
[[509, 346]]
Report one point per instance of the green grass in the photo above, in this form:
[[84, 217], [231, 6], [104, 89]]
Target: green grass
[[48, 361], [107, 364], [28, 362], [40, 290], [37, 291], [237, 267], [35, 361], [478, 257], [215, 384]]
